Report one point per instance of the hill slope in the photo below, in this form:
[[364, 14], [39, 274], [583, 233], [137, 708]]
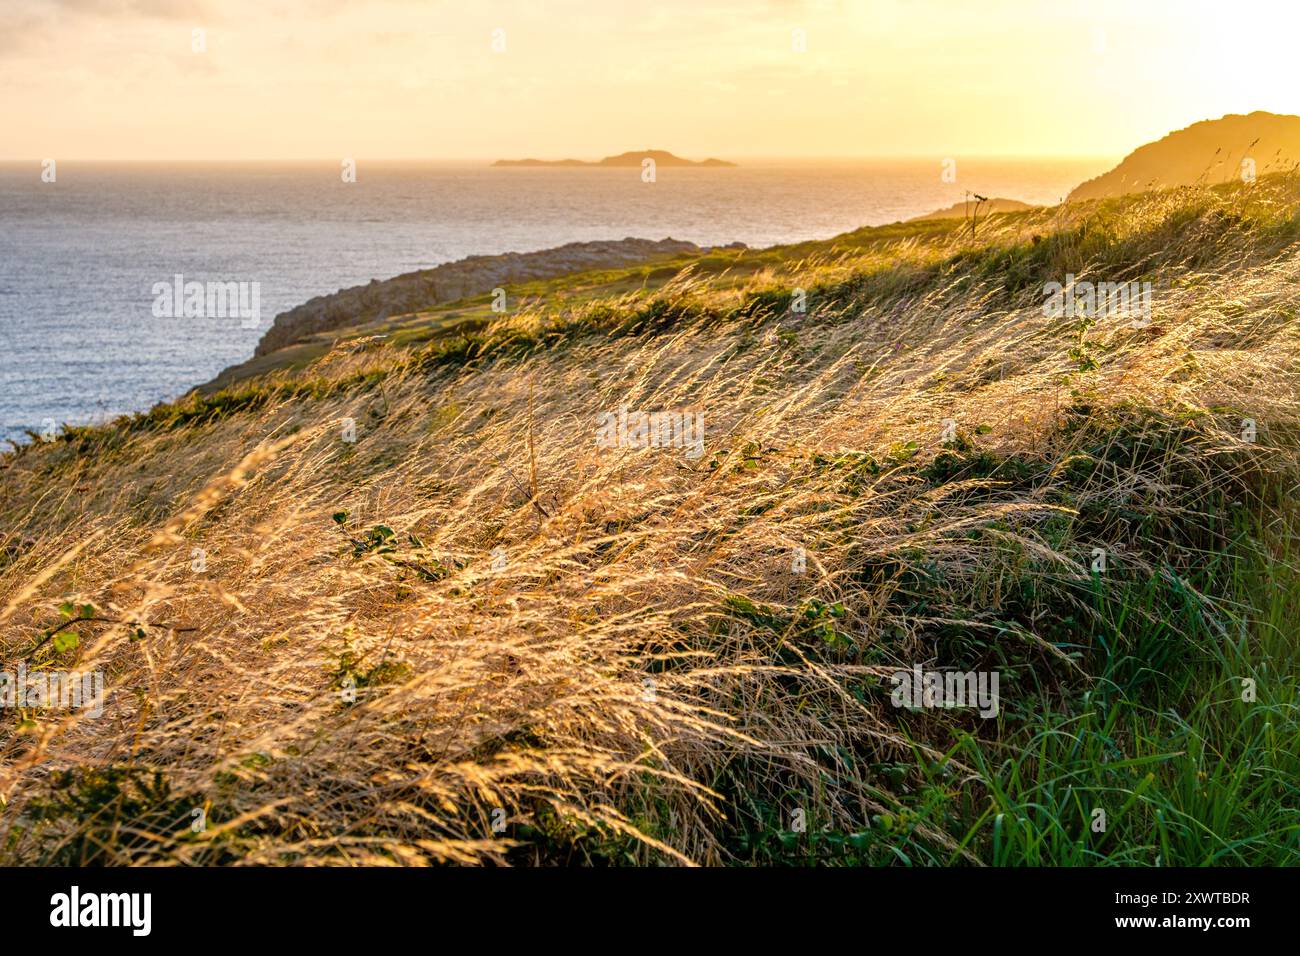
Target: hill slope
[[401, 605], [1211, 151]]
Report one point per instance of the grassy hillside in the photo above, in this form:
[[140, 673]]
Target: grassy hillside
[[471, 635], [1233, 148]]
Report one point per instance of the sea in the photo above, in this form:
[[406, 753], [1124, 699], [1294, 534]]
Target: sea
[[83, 245]]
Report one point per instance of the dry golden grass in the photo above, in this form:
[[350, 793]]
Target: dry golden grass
[[601, 688]]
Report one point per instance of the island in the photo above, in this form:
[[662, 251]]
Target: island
[[661, 157]]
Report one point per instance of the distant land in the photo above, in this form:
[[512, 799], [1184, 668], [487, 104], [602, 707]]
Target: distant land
[[960, 210], [1210, 151], [660, 156]]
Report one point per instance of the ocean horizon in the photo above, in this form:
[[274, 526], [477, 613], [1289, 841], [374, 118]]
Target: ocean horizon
[[81, 255]]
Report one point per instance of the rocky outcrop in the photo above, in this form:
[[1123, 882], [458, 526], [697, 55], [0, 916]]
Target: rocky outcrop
[[475, 275], [963, 210]]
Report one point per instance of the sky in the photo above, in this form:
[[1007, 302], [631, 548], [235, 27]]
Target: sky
[[426, 79]]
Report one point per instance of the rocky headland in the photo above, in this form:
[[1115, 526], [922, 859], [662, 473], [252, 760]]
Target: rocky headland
[[471, 276]]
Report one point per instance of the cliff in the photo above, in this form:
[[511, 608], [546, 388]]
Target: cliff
[[474, 275]]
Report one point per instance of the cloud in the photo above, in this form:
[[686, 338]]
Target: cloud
[[154, 9], [45, 21]]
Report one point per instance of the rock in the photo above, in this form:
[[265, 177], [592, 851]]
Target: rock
[[962, 210], [472, 276]]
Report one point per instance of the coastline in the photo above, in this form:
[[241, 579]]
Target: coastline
[[380, 299], [474, 275], [302, 235]]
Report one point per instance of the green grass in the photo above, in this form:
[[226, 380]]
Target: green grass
[[1162, 741], [1187, 772]]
